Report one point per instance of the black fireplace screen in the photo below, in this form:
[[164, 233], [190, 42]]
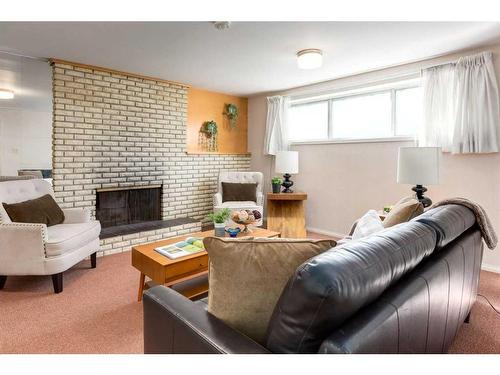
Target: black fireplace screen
[[128, 206]]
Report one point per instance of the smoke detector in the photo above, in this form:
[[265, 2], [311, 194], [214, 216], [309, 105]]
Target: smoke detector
[[222, 25]]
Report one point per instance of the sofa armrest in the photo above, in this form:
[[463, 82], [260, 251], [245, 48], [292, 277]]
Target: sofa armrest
[[22, 246], [174, 324], [217, 199], [76, 215]]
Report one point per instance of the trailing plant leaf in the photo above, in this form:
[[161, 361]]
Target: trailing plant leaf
[[232, 114], [209, 129]]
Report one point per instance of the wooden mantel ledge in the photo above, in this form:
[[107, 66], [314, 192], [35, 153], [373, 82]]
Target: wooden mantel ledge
[[217, 153]]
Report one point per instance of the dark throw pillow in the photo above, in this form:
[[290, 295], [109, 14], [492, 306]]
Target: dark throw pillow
[[232, 191], [43, 210]]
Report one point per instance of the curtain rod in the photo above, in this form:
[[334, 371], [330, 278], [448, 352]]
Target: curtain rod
[[454, 62]]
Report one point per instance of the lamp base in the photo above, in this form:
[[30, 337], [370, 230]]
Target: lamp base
[[420, 190], [287, 183]]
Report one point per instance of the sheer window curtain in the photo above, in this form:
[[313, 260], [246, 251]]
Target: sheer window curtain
[[461, 106], [276, 132]]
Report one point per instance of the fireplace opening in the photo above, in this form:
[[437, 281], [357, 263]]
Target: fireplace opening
[[133, 205]]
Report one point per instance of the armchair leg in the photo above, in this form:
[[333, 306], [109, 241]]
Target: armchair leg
[[93, 260], [3, 279], [57, 281]]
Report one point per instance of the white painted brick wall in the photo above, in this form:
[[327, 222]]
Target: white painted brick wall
[[116, 130]]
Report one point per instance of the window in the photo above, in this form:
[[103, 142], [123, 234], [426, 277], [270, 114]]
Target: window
[[370, 113], [363, 116], [309, 121], [408, 111]]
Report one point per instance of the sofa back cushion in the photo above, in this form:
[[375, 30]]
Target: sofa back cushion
[[20, 191], [422, 312], [449, 222], [329, 288], [247, 276]]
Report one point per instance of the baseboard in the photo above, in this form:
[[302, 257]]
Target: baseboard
[[335, 235], [487, 267]]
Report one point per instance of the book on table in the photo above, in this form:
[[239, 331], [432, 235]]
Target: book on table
[[189, 246]]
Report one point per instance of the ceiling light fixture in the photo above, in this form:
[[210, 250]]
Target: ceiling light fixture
[[311, 58], [6, 94], [222, 25]]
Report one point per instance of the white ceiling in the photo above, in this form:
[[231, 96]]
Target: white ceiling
[[248, 58]]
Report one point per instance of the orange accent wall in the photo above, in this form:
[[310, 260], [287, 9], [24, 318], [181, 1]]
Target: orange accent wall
[[207, 105]]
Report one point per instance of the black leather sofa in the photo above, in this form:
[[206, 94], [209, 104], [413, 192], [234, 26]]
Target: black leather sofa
[[407, 289]]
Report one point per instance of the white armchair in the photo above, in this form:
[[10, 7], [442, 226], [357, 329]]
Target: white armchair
[[240, 177], [35, 249]]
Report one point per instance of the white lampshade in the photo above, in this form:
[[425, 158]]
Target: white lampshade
[[287, 162], [419, 165]]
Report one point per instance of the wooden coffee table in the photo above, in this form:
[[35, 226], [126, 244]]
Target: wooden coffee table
[[168, 272]]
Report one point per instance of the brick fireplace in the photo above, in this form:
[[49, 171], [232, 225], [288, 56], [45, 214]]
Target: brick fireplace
[[113, 130], [116, 207]]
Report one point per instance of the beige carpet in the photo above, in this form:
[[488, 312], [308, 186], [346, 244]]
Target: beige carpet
[[98, 313]]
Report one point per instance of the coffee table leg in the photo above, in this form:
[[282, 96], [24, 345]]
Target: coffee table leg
[[142, 280]]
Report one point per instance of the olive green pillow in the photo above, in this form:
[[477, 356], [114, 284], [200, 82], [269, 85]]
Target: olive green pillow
[[232, 191], [43, 210], [247, 276], [403, 211]]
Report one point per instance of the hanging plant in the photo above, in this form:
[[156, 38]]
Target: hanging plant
[[210, 127], [232, 114], [208, 133]]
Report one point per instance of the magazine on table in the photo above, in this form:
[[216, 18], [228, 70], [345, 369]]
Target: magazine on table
[[189, 246]]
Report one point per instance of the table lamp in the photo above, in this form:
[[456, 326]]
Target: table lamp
[[287, 162], [419, 166]]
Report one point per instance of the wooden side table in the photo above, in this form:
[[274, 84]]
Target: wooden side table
[[286, 214]]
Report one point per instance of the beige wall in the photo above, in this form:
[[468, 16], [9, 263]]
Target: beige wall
[[343, 181]]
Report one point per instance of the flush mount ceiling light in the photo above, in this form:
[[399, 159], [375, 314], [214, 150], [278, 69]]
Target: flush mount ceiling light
[[311, 58], [6, 94]]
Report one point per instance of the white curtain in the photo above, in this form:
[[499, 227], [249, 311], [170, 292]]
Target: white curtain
[[461, 106], [276, 133], [439, 107]]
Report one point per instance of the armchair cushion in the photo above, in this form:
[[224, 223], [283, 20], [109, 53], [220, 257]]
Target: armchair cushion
[[76, 215], [42, 210], [64, 238], [237, 192], [243, 205]]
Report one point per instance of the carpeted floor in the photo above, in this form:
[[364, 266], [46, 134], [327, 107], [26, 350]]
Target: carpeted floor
[[98, 313]]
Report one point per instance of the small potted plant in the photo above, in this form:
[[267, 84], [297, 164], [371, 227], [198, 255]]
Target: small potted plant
[[219, 218], [276, 183]]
